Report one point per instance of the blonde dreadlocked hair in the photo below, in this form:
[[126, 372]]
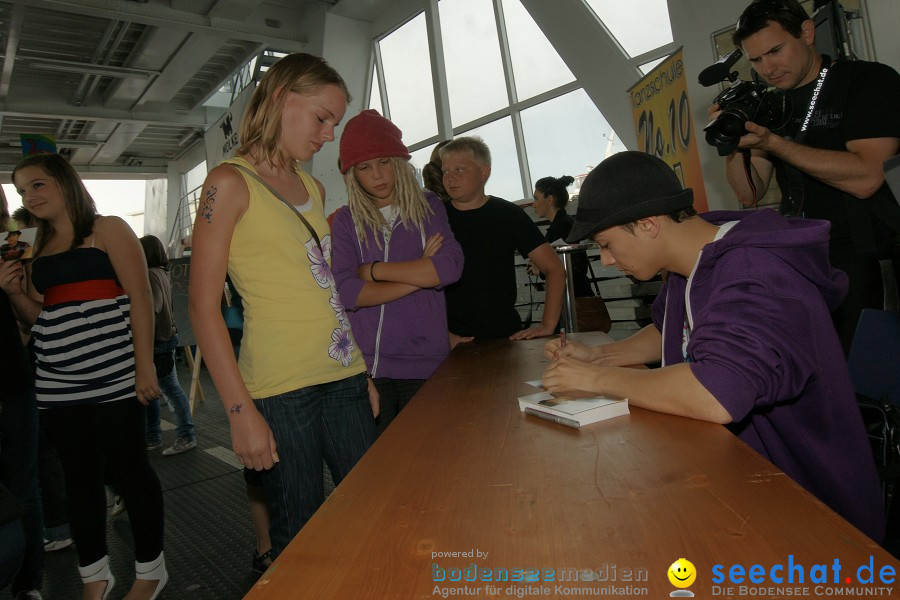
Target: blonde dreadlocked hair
[[409, 201]]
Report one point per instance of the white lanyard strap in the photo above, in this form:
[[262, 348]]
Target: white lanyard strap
[[815, 97]]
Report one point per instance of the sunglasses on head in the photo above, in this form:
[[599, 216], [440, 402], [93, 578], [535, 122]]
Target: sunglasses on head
[[764, 8]]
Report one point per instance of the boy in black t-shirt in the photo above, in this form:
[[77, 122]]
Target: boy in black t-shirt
[[481, 305]]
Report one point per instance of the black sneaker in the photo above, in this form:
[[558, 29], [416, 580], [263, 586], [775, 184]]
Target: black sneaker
[[262, 562]]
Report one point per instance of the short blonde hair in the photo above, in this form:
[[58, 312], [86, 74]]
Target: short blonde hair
[[260, 131], [472, 145]]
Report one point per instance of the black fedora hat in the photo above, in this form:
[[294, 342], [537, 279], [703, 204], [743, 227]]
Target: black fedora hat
[[626, 187]]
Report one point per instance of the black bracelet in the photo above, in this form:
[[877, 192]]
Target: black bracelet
[[372, 270]]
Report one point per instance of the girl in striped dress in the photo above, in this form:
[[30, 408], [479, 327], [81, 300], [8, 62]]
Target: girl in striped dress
[[89, 299]]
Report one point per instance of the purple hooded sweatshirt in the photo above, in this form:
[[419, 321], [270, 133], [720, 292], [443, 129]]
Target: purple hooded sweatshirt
[[408, 337], [763, 344]]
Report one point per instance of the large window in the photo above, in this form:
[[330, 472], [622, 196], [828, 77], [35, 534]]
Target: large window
[[407, 78], [375, 94], [571, 146], [475, 80], [638, 25], [533, 115], [536, 65]]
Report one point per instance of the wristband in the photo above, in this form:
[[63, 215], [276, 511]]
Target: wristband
[[372, 270]]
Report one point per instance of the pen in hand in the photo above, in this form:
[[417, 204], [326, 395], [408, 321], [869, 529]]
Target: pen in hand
[[562, 340]]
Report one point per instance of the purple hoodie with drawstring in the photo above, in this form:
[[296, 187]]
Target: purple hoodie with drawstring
[[763, 344], [406, 338]]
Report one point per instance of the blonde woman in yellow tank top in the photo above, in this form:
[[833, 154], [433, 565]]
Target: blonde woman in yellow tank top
[[299, 393]]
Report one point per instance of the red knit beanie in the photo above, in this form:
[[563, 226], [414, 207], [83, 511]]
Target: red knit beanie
[[368, 135]]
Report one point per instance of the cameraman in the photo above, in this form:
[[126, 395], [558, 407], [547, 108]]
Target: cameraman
[[833, 168]]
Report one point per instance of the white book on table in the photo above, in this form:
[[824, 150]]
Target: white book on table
[[574, 412]]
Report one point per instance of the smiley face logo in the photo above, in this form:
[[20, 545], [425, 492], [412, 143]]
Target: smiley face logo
[[682, 573]]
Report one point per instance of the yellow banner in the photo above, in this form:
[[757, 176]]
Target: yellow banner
[[664, 126]]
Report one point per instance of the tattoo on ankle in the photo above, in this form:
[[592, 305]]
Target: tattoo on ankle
[[235, 409]]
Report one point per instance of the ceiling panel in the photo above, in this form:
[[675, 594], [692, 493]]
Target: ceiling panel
[[122, 84]]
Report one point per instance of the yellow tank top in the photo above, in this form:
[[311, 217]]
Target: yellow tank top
[[296, 333]]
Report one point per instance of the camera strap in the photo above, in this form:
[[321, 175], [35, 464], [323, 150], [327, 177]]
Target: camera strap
[[793, 175]]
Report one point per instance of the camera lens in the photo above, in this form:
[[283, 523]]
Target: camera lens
[[726, 130]]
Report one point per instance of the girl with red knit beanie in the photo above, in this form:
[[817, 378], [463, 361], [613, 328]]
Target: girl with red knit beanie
[[392, 254]]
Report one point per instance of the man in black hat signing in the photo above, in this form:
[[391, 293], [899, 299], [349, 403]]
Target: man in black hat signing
[[741, 328]]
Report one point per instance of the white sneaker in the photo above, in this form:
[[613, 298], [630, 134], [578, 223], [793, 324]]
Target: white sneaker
[[182, 444], [53, 545]]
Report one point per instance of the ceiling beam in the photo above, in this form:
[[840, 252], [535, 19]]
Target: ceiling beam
[[12, 47], [145, 171], [36, 110], [289, 38]]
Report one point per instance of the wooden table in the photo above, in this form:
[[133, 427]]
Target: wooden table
[[463, 470]]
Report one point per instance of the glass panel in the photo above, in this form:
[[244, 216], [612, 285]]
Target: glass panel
[[506, 179], [584, 146], [638, 25], [647, 67], [375, 94], [194, 178], [536, 65], [407, 79], [420, 158], [475, 81]]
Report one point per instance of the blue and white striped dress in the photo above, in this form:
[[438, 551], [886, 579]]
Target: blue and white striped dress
[[82, 338]]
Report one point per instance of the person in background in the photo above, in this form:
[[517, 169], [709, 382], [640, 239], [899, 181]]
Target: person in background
[[88, 297], [741, 326], [298, 393], [550, 200], [19, 427], [57, 535], [481, 305], [23, 218], [12, 539], [393, 254], [433, 174], [828, 160], [164, 345]]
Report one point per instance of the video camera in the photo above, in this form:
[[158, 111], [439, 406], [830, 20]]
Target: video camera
[[743, 101]]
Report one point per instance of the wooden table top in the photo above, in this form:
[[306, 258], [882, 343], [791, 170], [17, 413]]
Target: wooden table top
[[462, 470]]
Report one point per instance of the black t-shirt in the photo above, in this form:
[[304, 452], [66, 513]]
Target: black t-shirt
[[482, 302], [15, 368], [858, 100]]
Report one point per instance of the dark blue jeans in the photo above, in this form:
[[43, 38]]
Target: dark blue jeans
[[394, 395], [331, 422], [175, 397], [18, 472]]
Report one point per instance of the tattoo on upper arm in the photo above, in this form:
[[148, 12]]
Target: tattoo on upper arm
[[235, 409], [206, 207]]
